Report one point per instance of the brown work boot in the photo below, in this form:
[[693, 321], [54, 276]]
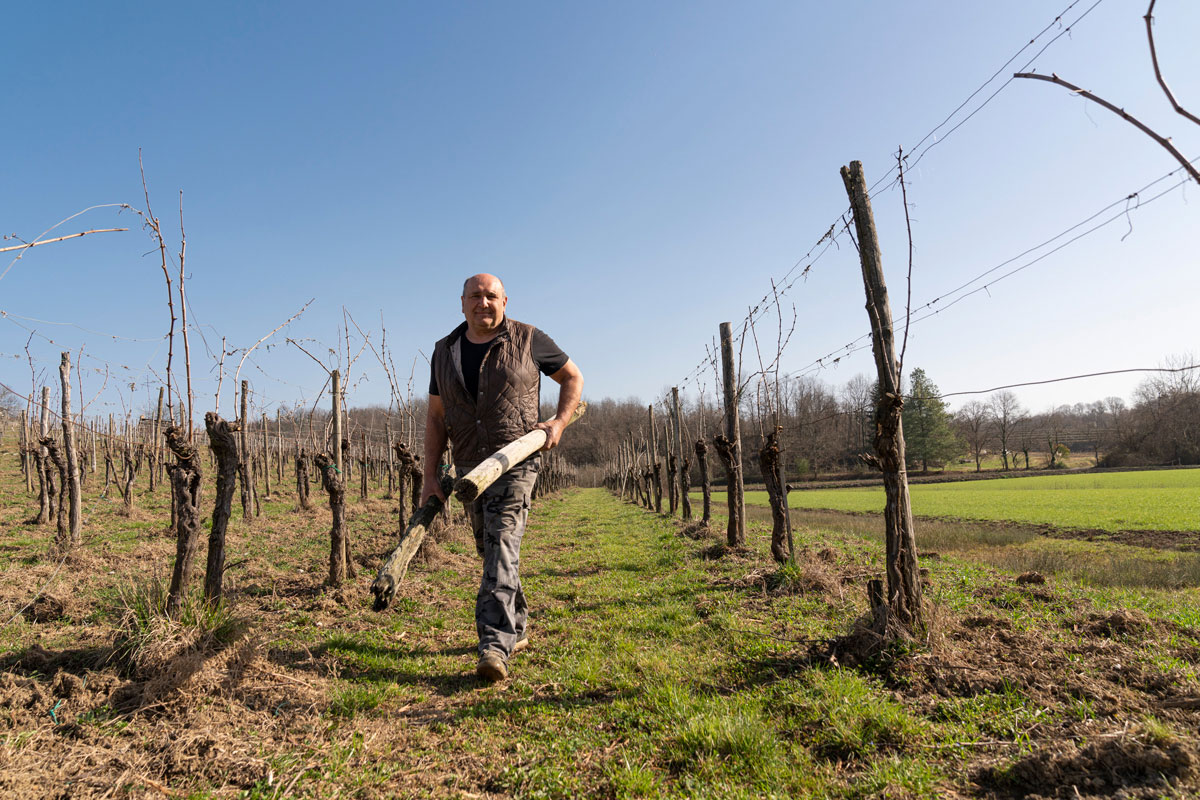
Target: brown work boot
[[491, 667], [521, 644]]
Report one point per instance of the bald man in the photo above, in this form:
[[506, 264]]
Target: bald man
[[483, 394]]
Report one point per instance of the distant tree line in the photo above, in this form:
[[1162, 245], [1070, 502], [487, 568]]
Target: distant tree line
[[826, 428]]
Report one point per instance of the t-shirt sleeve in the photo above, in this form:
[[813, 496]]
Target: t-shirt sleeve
[[549, 356], [433, 387]]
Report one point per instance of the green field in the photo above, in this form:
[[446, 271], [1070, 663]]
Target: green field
[[1166, 500]]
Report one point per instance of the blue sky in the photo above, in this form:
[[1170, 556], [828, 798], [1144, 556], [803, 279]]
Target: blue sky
[[637, 173]]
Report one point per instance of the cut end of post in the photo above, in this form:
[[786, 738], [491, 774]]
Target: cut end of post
[[384, 588], [466, 491]]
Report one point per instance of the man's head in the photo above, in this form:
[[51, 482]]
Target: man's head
[[483, 304]]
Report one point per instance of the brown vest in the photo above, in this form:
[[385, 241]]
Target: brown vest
[[506, 407]]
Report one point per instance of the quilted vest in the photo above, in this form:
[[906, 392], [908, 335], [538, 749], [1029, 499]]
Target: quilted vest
[[506, 407]]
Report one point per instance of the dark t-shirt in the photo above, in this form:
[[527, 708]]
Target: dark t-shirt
[[546, 354]]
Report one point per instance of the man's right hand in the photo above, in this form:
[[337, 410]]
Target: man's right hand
[[430, 488]]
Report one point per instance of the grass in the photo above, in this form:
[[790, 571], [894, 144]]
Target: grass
[[1115, 501], [655, 669]]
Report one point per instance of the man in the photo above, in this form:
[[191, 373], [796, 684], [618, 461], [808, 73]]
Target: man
[[483, 394]]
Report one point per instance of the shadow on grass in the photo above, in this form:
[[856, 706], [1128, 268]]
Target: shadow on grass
[[381, 664], [36, 659], [562, 701]]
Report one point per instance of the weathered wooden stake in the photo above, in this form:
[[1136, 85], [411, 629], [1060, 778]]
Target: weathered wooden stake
[[685, 480], [266, 457], [337, 421], [244, 453], [655, 464], [72, 477], [45, 482], [729, 445], [904, 580], [705, 480]]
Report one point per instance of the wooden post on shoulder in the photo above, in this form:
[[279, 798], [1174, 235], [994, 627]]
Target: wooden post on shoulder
[[903, 575]]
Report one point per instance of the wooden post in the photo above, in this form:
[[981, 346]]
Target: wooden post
[[684, 463], [266, 458], [729, 445], [279, 448], [705, 481], [904, 580], [26, 452], [45, 487], [244, 453], [68, 428], [337, 421], [655, 464], [155, 449], [362, 479]]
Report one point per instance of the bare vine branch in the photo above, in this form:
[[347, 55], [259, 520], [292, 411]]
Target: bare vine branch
[[187, 350], [908, 300], [1158, 72], [237, 373], [1120, 112], [292, 341], [28, 245]]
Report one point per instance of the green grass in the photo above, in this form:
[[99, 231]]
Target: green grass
[[1154, 500]]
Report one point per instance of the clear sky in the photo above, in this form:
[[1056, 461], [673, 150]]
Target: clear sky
[[636, 173]]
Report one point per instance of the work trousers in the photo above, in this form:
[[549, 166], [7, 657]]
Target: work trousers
[[498, 518]]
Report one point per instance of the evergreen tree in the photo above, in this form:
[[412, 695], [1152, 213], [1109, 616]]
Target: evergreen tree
[[928, 435]]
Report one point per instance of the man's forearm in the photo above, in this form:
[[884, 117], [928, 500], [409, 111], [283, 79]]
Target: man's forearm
[[435, 445], [569, 393]]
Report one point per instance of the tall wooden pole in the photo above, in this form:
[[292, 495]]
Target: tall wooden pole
[[155, 449], [266, 458], [247, 488], [26, 455], [904, 581], [279, 446], [68, 428], [655, 464], [685, 503], [730, 446], [45, 511], [337, 422]]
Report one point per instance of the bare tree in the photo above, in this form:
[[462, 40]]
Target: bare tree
[[975, 426], [1006, 415]]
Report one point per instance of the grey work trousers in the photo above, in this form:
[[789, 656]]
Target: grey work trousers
[[498, 518]]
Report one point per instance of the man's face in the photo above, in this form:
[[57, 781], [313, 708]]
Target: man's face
[[483, 304]]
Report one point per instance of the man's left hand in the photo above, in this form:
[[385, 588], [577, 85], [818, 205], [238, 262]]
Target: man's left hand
[[553, 429]]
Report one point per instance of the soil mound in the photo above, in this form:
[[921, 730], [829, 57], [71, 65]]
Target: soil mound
[[1126, 765]]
